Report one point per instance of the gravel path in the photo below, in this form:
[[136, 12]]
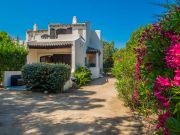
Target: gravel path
[[91, 110]]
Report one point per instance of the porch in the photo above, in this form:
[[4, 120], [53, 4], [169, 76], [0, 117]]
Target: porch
[[73, 55], [93, 61]]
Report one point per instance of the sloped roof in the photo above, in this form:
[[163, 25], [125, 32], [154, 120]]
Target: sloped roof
[[49, 44]]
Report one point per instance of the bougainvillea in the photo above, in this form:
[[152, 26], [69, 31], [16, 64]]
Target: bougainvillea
[[177, 77], [160, 87], [158, 63], [140, 52], [173, 53], [156, 78]]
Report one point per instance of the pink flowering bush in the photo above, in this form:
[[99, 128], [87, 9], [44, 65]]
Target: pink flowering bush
[[123, 70], [148, 71], [158, 64]]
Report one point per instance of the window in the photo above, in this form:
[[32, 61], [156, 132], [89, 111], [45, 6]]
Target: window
[[46, 59], [64, 31]]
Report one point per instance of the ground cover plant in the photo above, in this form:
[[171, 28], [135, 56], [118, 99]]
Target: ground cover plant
[[82, 76]]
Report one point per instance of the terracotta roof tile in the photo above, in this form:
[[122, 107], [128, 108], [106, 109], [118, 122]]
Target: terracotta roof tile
[[48, 45]]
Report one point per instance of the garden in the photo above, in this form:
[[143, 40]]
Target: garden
[[148, 71]]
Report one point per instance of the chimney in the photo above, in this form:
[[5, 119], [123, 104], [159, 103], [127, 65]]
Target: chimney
[[35, 27], [74, 21]]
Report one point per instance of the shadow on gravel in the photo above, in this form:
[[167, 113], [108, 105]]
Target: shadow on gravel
[[101, 126], [13, 107], [99, 81], [16, 110]]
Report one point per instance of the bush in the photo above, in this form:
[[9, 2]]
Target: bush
[[12, 55], [123, 70], [83, 76], [157, 68], [43, 76], [148, 71]]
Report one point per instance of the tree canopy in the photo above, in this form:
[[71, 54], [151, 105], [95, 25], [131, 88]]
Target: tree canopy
[[12, 55], [108, 51]]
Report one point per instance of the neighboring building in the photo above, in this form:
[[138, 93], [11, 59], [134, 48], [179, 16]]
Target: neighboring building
[[75, 44]]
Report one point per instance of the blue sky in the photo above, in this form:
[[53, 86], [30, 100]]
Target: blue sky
[[116, 18]]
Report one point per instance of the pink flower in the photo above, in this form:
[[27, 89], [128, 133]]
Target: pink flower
[[161, 85], [173, 56], [163, 81], [135, 95], [166, 131], [166, 104], [162, 119], [177, 78], [120, 59]]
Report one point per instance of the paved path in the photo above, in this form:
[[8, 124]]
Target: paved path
[[94, 109]]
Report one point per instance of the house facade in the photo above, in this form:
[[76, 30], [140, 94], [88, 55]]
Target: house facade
[[74, 44]]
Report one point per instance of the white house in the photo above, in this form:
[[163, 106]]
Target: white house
[[75, 44]]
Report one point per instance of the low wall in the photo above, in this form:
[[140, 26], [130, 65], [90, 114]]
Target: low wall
[[7, 77], [95, 72], [68, 85]]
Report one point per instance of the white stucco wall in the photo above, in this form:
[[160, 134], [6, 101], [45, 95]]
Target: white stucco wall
[[92, 39], [32, 56], [7, 77], [68, 85], [95, 72], [95, 42], [79, 53]]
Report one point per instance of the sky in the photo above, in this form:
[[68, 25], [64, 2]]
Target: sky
[[117, 19]]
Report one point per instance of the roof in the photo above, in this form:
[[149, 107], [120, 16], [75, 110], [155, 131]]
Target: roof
[[49, 45], [66, 25], [38, 31], [91, 50]]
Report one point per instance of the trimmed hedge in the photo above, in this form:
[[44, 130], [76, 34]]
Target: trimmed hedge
[[43, 76], [83, 76]]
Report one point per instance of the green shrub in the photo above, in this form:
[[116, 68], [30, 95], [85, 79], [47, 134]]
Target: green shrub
[[83, 76], [123, 70], [43, 76], [12, 55]]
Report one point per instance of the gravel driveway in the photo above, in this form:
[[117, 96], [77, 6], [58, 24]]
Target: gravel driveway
[[91, 110]]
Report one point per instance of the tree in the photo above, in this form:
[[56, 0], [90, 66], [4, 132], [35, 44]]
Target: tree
[[4, 38], [108, 51], [12, 55]]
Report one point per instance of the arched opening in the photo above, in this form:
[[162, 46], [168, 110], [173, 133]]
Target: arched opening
[[46, 59], [45, 36]]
